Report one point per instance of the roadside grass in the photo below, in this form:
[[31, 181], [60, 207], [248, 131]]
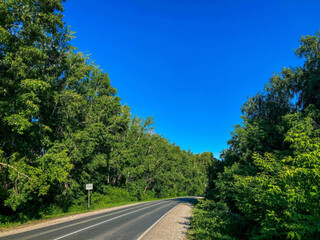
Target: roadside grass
[[55, 212], [98, 202], [7, 222]]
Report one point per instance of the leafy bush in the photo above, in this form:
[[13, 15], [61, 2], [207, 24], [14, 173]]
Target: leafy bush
[[271, 175], [214, 220], [116, 194]]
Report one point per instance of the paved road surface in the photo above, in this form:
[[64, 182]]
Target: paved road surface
[[126, 223]]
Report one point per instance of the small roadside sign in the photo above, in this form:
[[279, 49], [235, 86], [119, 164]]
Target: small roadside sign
[[89, 186]]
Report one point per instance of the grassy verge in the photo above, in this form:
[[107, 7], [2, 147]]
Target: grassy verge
[[58, 213], [53, 212]]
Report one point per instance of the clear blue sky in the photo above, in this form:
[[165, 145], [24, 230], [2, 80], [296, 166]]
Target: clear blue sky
[[191, 64]]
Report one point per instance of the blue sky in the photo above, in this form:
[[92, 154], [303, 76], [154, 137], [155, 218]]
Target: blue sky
[[191, 64]]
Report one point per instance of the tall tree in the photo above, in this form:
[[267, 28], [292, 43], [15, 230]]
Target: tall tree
[[271, 177], [33, 56]]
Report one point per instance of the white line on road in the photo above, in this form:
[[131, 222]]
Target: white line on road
[[156, 223], [106, 221], [79, 221]]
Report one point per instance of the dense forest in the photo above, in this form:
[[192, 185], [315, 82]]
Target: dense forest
[[62, 125], [267, 185]]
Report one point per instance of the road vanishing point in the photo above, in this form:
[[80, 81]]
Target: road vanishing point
[[127, 223]]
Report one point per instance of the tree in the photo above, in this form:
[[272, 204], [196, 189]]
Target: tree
[[33, 56], [62, 125], [270, 179]]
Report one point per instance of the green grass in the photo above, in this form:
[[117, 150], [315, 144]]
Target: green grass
[[7, 222], [56, 212]]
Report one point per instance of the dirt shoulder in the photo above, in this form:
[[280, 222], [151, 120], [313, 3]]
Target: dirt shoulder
[[172, 226]]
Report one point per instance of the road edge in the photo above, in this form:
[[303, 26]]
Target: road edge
[[145, 232]]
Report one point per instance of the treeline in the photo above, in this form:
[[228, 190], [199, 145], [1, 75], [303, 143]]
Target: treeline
[[62, 126], [267, 185]]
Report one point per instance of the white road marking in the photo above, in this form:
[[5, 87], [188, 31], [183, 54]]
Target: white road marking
[[156, 223], [106, 221], [105, 214]]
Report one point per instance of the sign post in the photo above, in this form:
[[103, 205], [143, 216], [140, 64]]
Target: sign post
[[89, 187]]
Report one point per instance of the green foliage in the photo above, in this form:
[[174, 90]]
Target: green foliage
[[271, 173], [283, 196], [62, 126], [213, 220]]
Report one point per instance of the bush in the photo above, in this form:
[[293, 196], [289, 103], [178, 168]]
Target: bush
[[213, 220], [117, 195]]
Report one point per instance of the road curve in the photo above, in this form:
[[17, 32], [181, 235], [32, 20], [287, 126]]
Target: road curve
[[125, 223]]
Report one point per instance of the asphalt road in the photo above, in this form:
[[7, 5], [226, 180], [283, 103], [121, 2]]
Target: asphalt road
[[125, 223]]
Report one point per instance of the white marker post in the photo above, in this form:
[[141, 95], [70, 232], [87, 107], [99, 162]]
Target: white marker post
[[89, 187]]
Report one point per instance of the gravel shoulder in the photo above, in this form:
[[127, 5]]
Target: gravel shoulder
[[172, 226]]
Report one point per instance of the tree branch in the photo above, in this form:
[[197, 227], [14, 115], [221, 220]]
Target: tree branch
[[7, 165]]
